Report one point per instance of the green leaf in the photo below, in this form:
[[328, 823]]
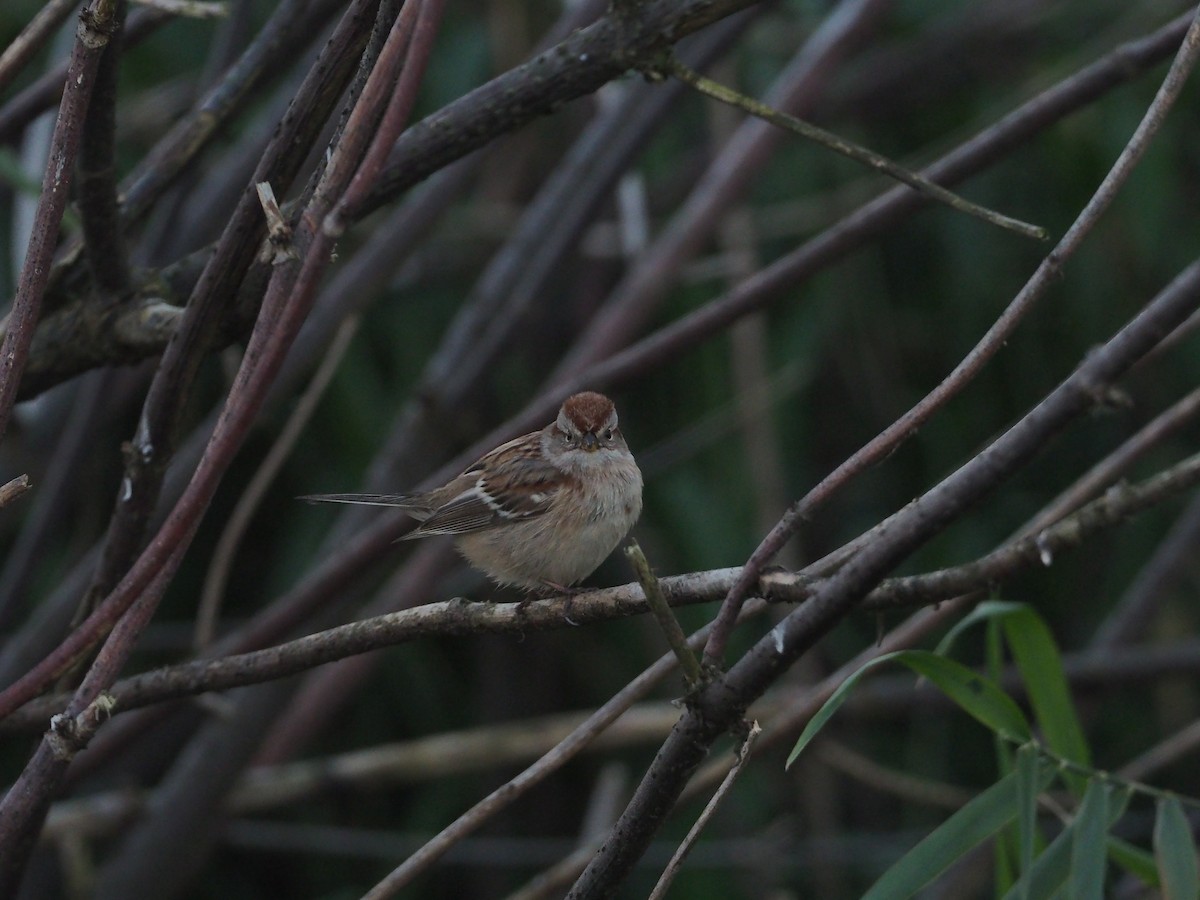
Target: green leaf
[[1037, 658], [1089, 848], [1175, 852], [829, 707], [1040, 664], [977, 821], [984, 612], [1049, 871], [1133, 859], [975, 694], [1027, 791], [1006, 863], [1048, 875]]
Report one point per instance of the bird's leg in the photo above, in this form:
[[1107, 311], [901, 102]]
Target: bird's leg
[[564, 591]]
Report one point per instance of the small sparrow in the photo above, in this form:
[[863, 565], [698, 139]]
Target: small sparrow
[[542, 511]]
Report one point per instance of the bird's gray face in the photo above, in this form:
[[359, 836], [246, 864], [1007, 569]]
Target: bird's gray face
[[589, 436]]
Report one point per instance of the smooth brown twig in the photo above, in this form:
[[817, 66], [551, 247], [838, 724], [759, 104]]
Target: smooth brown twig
[[677, 858], [846, 148]]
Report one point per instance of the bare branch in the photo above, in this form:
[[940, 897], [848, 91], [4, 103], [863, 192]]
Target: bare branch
[[91, 39], [31, 39], [676, 863], [724, 700], [847, 148], [990, 344], [657, 601]]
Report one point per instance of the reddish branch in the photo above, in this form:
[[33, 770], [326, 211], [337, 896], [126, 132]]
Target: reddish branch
[[91, 38], [284, 308]]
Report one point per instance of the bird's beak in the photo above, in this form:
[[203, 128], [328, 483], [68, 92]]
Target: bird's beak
[[590, 442]]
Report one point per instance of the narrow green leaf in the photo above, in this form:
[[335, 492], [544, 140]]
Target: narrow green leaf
[[1048, 876], [1133, 859], [984, 612], [1175, 852], [1089, 848], [1049, 871], [1037, 657], [975, 694], [994, 645], [979, 820], [830, 706], [1027, 791], [1005, 857], [1119, 796]]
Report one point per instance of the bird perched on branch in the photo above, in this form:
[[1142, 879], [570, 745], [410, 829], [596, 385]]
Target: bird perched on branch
[[541, 511]]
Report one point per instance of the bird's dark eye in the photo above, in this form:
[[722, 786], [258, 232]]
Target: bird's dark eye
[[608, 434]]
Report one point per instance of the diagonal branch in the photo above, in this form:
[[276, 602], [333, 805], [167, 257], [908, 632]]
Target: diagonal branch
[[91, 38], [724, 700], [847, 148], [989, 345]]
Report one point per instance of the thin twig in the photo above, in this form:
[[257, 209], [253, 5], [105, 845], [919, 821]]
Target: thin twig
[[676, 639], [906, 787], [191, 9], [1178, 745], [288, 299], [452, 617], [1105, 472], [685, 847], [846, 148], [553, 760], [1094, 774], [239, 520], [99, 210], [989, 345], [723, 700], [1039, 547], [32, 38]]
